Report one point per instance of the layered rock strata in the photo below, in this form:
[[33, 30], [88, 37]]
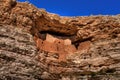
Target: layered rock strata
[[37, 45]]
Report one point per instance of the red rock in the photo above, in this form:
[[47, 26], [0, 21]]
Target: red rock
[[59, 45], [39, 42], [50, 47], [84, 45], [70, 48]]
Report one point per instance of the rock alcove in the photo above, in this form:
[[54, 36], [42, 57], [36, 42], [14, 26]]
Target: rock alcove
[[69, 48], [59, 45]]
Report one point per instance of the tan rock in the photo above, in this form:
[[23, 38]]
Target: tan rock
[[67, 42], [99, 36], [50, 38]]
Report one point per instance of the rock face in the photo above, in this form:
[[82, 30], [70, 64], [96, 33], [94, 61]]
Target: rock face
[[37, 45]]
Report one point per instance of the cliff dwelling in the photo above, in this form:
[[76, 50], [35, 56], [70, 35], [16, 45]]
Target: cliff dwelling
[[60, 46], [38, 45]]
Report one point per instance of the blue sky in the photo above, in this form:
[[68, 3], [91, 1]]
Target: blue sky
[[79, 7]]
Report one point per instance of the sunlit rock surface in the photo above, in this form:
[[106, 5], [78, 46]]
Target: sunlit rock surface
[[37, 45]]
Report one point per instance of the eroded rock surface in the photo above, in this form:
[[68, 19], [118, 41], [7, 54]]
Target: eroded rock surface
[[17, 55], [37, 45]]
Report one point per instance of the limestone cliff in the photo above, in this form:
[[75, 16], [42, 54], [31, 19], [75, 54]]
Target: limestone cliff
[[37, 45]]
